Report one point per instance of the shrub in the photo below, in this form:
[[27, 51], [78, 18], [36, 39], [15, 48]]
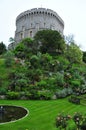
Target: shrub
[[78, 119], [32, 94], [64, 63], [74, 99], [69, 91], [77, 122], [3, 91], [0, 81], [45, 94], [34, 60], [42, 84], [62, 120], [22, 83], [59, 79], [28, 95], [75, 83], [83, 126], [61, 93], [13, 95]]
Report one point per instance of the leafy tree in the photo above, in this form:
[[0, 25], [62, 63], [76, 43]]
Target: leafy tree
[[34, 60], [12, 43], [73, 53], [2, 48], [69, 39], [50, 41], [19, 51], [11, 40], [24, 49], [84, 56]]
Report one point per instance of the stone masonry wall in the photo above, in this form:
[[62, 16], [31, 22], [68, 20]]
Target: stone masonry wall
[[31, 21]]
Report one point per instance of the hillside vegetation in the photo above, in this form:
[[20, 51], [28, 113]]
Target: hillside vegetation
[[44, 68]]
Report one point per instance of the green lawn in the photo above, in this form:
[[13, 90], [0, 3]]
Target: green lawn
[[42, 114]]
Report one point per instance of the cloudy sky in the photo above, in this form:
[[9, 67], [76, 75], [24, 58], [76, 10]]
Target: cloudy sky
[[73, 12]]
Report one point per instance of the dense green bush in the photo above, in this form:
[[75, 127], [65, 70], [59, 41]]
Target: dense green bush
[[42, 66], [62, 121], [75, 83], [63, 63], [42, 84], [3, 90], [59, 79], [13, 95], [45, 94], [34, 60], [78, 121], [83, 126], [2, 48], [74, 99], [0, 81], [61, 94]]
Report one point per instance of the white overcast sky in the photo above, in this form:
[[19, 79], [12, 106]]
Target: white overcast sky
[[73, 13]]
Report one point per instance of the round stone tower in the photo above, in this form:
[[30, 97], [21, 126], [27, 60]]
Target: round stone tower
[[31, 21]]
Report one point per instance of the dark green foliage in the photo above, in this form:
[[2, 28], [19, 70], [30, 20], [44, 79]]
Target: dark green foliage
[[19, 51], [34, 60], [78, 119], [75, 83], [3, 90], [62, 121], [84, 56], [18, 81], [73, 53], [50, 41], [2, 48], [0, 81], [74, 99], [63, 93], [44, 67], [24, 49], [45, 94], [83, 126], [13, 95]]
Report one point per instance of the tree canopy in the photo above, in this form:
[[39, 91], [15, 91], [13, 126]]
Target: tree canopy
[[50, 41], [73, 53], [84, 56], [2, 48]]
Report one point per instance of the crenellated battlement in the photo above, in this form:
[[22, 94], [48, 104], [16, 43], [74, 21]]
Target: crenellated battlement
[[35, 11]]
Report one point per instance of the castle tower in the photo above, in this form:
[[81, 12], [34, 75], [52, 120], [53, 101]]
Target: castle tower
[[31, 21]]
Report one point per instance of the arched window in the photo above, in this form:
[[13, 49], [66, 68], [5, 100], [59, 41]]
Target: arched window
[[31, 35]]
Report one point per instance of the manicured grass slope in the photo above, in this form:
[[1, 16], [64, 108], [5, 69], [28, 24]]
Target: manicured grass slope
[[42, 114]]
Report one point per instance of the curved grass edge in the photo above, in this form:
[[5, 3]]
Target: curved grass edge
[[17, 119]]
